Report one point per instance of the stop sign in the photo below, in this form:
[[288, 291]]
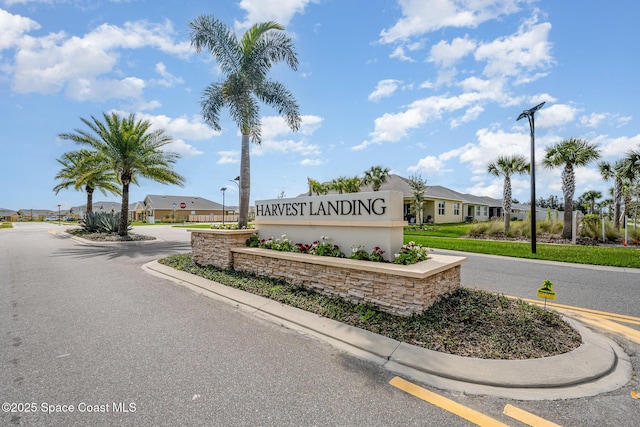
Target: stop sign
[[183, 205]]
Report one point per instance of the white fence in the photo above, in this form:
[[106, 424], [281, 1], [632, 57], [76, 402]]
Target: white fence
[[230, 217]]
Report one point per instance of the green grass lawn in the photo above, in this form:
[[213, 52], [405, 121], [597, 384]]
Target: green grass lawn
[[439, 230], [595, 255]]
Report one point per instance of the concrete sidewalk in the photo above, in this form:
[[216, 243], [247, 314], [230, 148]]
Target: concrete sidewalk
[[599, 365]]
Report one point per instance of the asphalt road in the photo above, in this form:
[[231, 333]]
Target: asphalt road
[[85, 326]]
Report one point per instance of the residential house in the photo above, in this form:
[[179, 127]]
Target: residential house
[[35, 214], [8, 215], [443, 205], [186, 208]]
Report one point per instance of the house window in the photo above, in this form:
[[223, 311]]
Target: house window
[[477, 210], [486, 210], [440, 208], [456, 209]]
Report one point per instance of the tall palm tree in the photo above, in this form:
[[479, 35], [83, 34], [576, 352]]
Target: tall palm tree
[[376, 176], [618, 172], [506, 166], [86, 169], [132, 150], [245, 64], [569, 154], [590, 197]]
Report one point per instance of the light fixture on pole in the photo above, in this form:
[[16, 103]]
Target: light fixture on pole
[[529, 114], [223, 189]]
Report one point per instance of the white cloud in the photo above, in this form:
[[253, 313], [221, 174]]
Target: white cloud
[[13, 28], [469, 115], [399, 53], [392, 127], [616, 148], [57, 61], [430, 165], [84, 89], [447, 54], [181, 127], [277, 137], [384, 89], [168, 79], [228, 157], [182, 148], [490, 145], [423, 16], [515, 55], [555, 115], [280, 11], [311, 162]]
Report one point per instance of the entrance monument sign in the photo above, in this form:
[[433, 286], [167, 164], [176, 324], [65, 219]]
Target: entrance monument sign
[[349, 220]]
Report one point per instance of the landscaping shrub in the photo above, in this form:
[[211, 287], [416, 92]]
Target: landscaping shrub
[[101, 222]]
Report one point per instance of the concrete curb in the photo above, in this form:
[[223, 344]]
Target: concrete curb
[[597, 366]]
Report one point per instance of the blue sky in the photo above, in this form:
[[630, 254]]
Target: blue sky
[[430, 87]]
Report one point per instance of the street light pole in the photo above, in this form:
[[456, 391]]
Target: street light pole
[[529, 114], [236, 181], [174, 212], [58, 215], [223, 189]]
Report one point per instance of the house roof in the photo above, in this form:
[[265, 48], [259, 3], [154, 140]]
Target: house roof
[[106, 207], [7, 212], [36, 212], [193, 203]]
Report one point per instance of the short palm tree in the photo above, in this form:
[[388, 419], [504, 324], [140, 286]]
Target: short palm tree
[[131, 150], [245, 64], [376, 176], [506, 166], [339, 185], [418, 187], [590, 197], [317, 187], [86, 169], [353, 185], [569, 154]]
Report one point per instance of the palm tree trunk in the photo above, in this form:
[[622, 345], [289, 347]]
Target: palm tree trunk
[[617, 196], [89, 191], [124, 210], [506, 204], [568, 188], [245, 182]]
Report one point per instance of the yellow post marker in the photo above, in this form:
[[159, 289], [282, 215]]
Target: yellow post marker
[[546, 292]]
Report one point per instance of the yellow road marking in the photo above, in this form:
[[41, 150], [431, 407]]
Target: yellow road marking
[[597, 318], [628, 333], [612, 316], [527, 417], [462, 411]]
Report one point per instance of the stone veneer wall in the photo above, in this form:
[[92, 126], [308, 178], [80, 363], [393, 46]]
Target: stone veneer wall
[[213, 247], [385, 286]]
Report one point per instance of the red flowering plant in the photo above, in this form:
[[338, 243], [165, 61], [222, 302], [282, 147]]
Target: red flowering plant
[[412, 254]]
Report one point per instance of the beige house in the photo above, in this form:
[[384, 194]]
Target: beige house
[[441, 205], [186, 209]]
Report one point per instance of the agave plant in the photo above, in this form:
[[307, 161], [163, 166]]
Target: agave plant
[[102, 222]]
